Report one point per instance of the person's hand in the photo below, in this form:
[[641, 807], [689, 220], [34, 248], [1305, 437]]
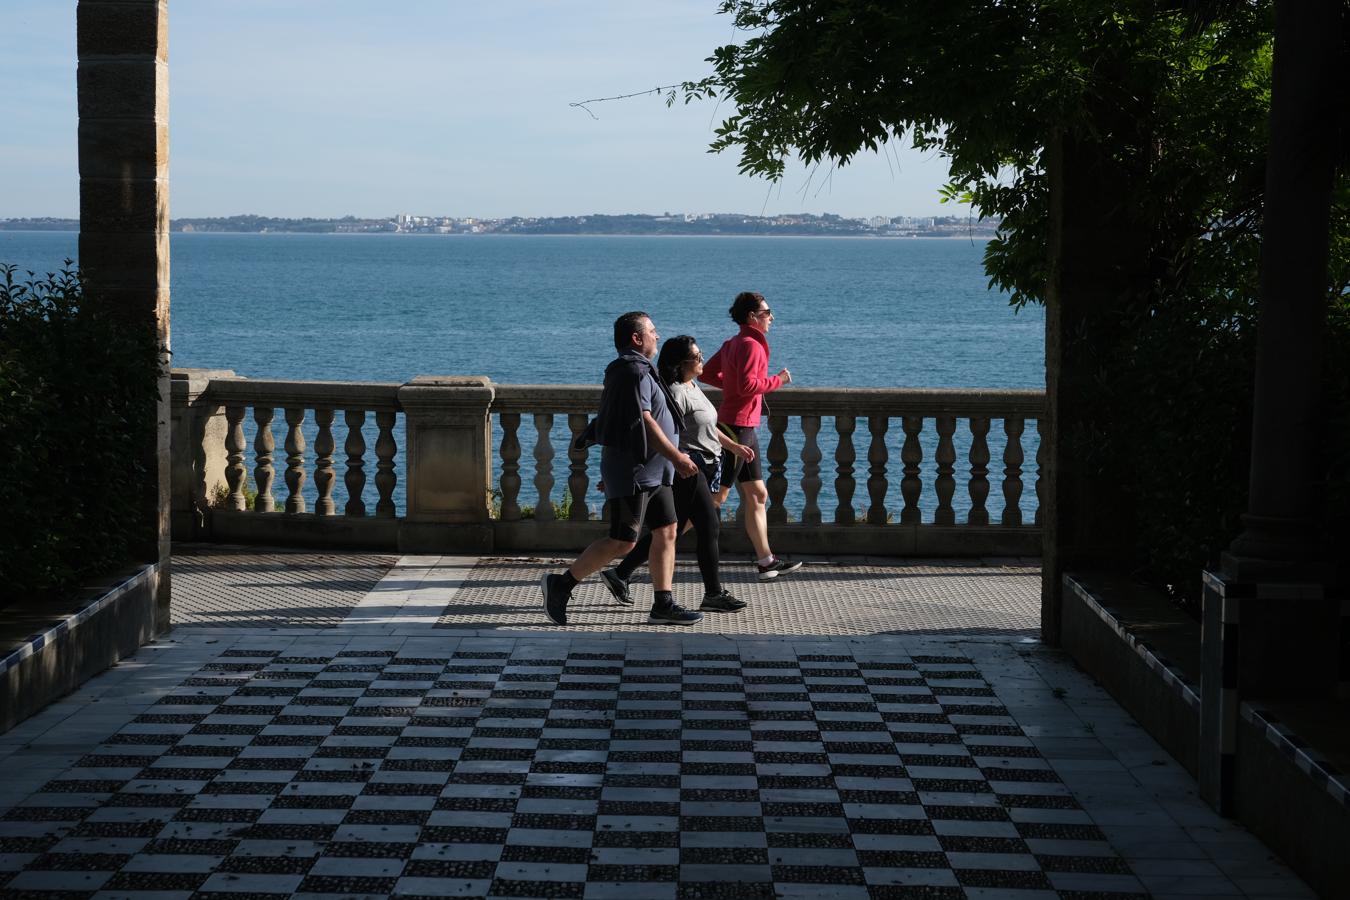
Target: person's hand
[[743, 452], [684, 466], [786, 376]]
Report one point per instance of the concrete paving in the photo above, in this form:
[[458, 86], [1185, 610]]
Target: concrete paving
[[864, 733]]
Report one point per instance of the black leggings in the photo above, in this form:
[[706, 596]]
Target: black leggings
[[693, 503]]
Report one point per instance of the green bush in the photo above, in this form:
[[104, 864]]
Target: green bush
[[78, 395]]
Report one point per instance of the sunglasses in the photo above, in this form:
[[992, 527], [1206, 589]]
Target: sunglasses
[[763, 312]]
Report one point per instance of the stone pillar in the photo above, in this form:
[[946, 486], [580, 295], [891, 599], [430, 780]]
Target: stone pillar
[[448, 453], [123, 100], [1274, 619], [1097, 264], [1306, 103], [197, 450]]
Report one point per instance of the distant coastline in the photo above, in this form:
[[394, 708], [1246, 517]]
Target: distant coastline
[[668, 225]]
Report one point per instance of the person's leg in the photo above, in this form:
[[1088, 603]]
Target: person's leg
[[626, 514], [597, 556], [636, 558], [696, 508], [754, 510], [617, 578], [665, 525], [755, 498], [662, 560]]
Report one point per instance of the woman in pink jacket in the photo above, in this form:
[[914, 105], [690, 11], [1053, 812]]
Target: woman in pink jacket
[[741, 369]]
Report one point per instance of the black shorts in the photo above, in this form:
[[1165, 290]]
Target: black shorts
[[735, 469], [652, 507]]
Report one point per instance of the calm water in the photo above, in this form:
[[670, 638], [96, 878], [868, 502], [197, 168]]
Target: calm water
[[874, 313], [848, 312]]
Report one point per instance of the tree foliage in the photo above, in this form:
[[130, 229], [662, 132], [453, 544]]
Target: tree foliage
[[1177, 96]]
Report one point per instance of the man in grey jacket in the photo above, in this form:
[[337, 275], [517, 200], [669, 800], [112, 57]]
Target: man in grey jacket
[[639, 457]]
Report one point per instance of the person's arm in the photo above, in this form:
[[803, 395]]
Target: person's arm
[[740, 450], [748, 372], [657, 438], [712, 370]]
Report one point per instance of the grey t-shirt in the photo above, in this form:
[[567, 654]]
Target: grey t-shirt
[[698, 419], [623, 475]]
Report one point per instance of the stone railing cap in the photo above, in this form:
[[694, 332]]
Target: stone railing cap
[[478, 381]]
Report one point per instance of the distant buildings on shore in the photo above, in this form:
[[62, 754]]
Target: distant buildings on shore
[[801, 224]]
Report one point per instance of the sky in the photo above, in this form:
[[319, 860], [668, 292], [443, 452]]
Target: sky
[[429, 107]]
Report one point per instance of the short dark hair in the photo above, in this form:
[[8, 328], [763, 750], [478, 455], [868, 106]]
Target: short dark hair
[[674, 353], [625, 326], [745, 303]]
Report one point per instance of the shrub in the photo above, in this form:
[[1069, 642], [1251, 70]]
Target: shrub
[[78, 395]]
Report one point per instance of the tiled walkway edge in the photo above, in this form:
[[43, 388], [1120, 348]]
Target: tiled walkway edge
[[1293, 800]]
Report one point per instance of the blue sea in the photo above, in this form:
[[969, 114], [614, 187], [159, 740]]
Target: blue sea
[[538, 310]]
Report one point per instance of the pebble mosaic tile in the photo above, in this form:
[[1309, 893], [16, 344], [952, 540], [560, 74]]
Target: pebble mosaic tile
[[576, 774]]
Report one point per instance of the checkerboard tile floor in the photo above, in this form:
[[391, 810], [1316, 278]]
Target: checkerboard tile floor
[[388, 757], [651, 773]]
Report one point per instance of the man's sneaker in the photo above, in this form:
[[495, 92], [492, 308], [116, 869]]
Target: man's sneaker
[[674, 614], [617, 586], [776, 568], [722, 602], [555, 598]]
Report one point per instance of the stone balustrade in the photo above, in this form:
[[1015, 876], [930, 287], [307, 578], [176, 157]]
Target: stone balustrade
[[492, 467], [238, 435]]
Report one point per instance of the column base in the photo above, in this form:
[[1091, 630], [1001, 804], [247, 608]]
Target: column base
[[1264, 638]]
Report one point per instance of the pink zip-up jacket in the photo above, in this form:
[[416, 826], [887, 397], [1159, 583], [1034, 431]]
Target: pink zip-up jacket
[[741, 369]]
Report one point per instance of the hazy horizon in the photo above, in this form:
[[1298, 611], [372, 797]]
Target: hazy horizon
[[953, 211], [295, 108]]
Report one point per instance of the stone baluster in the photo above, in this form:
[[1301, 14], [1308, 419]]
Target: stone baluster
[[578, 483], [1012, 470], [877, 457], [385, 450], [945, 484], [811, 457], [235, 473], [543, 466], [510, 467], [777, 482], [295, 460], [979, 470], [911, 455], [263, 445], [355, 448], [323, 463], [1041, 444], [844, 455]]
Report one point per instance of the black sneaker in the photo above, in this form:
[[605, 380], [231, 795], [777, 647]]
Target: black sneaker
[[555, 598], [617, 586], [674, 614], [722, 602], [776, 568]]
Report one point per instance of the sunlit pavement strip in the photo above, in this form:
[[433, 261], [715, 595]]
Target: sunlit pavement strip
[[390, 755]]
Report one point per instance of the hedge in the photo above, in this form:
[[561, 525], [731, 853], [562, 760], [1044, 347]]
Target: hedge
[[78, 397]]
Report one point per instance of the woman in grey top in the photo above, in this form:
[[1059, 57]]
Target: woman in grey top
[[679, 364]]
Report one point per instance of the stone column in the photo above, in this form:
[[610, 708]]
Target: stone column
[[123, 100], [197, 445], [1306, 103], [1274, 620], [448, 451], [1097, 264]]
